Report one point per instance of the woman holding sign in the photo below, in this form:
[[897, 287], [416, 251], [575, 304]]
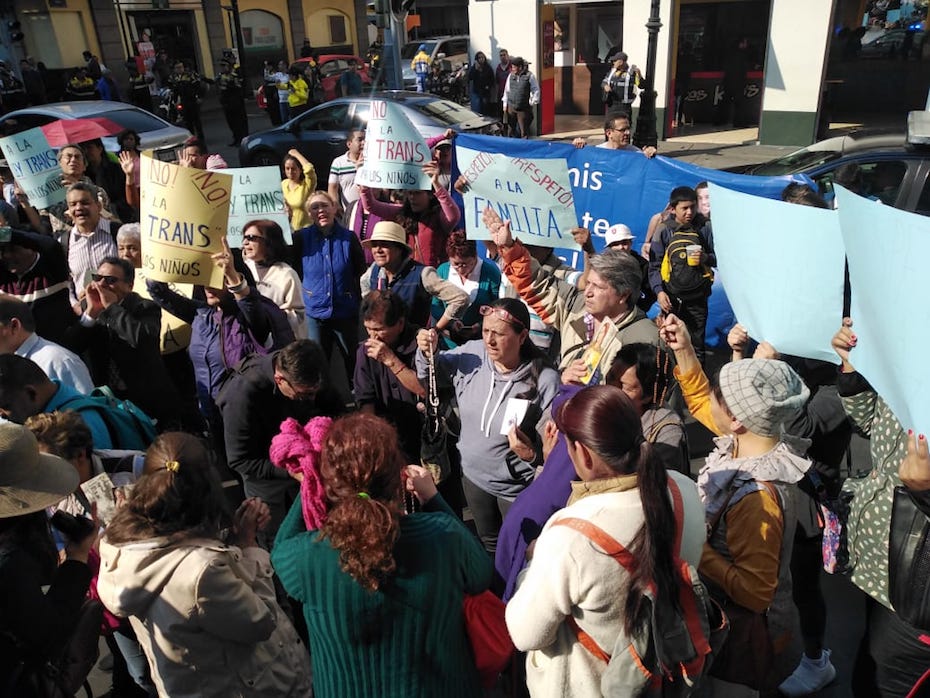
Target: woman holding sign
[[427, 216], [503, 385]]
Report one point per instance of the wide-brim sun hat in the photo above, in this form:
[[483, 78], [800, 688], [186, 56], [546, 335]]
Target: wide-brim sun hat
[[386, 231], [29, 480]]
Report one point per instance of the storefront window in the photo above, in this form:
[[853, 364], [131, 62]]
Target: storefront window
[[599, 28], [584, 32]]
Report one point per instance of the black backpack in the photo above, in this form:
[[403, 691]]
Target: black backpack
[[681, 279]]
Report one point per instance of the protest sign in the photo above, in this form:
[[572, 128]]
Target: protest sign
[[183, 220], [395, 151], [256, 193], [888, 287], [534, 195], [34, 165], [796, 307]]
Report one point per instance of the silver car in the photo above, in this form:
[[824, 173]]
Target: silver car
[[154, 132]]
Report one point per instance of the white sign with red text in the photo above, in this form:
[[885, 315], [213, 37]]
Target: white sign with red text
[[395, 151]]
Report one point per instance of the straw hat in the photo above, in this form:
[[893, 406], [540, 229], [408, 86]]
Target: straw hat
[[386, 231], [29, 480]]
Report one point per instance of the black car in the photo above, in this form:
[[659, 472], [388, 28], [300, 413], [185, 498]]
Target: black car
[[894, 167], [320, 133]]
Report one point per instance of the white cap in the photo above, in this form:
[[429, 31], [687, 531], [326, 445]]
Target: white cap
[[617, 233]]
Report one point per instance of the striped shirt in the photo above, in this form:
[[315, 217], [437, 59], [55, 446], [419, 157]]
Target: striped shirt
[[342, 172], [85, 252]]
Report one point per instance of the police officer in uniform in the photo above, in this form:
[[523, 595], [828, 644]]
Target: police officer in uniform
[[139, 92], [80, 86], [12, 92], [232, 99], [186, 85]]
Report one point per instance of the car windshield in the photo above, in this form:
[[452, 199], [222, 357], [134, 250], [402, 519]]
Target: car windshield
[[446, 112], [409, 50], [134, 119], [797, 161]]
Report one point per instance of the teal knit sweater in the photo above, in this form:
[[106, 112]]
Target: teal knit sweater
[[408, 638]]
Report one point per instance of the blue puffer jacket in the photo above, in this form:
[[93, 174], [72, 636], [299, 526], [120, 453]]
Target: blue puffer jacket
[[331, 267]]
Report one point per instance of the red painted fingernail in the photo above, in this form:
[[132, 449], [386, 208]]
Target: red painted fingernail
[[910, 432], [854, 337], [921, 437]]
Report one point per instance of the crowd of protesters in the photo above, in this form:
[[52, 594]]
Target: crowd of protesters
[[246, 479]]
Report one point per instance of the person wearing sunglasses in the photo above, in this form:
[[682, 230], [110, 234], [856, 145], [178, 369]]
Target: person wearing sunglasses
[[266, 255], [503, 385], [120, 337]]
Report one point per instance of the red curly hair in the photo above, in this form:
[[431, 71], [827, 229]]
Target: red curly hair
[[361, 471]]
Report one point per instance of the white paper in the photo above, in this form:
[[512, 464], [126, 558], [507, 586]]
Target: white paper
[[514, 414]]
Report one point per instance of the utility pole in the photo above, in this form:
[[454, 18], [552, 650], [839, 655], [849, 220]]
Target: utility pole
[[392, 16], [646, 121]]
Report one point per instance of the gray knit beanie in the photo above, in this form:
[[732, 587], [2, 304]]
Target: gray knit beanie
[[762, 393]]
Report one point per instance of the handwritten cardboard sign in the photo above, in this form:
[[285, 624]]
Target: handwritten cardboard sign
[[184, 217], [395, 151], [535, 195], [35, 167], [256, 194]]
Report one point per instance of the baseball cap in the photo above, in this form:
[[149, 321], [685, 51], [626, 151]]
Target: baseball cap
[[617, 233]]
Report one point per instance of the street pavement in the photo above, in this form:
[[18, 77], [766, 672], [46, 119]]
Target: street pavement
[[845, 604]]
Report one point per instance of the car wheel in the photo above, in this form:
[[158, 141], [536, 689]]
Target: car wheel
[[263, 157]]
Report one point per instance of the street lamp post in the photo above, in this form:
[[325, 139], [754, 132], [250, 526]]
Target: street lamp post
[[646, 121]]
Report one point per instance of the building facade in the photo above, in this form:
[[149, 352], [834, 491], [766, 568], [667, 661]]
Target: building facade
[[779, 60]]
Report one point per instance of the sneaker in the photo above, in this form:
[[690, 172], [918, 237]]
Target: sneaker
[[810, 676]]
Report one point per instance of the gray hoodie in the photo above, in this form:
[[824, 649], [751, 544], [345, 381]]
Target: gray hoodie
[[482, 393], [206, 616]]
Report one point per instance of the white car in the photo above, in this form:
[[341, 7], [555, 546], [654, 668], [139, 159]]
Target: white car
[[154, 132]]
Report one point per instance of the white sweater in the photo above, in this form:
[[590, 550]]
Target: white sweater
[[568, 576], [282, 285]]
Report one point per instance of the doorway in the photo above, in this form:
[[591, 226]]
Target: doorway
[[172, 30]]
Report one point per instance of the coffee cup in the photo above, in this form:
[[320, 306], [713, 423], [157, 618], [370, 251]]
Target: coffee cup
[[694, 255]]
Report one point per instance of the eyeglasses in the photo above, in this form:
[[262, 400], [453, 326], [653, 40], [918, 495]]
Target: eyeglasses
[[301, 392], [621, 130], [464, 264], [106, 278], [504, 315], [252, 238]]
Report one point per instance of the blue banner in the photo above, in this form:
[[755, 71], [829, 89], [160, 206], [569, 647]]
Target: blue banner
[[624, 186]]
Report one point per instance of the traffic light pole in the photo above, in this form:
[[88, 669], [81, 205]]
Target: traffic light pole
[[398, 30]]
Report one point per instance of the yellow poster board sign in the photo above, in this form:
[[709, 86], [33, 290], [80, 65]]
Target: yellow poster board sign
[[184, 216]]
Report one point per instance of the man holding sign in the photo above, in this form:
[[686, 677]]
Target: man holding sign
[[604, 314]]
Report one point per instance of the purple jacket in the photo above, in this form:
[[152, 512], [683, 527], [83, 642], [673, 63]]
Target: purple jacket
[[532, 508]]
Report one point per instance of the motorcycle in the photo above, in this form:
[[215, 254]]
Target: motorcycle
[[450, 83], [171, 107]]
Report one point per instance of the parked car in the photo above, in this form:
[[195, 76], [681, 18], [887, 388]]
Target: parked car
[[888, 45], [154, 132], [894, 166], [332, 66], [321, 132], [452, 48]]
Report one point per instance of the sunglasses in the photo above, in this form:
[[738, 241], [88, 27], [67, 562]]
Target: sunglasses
[[106, 278], [507, 317], [252, 238]]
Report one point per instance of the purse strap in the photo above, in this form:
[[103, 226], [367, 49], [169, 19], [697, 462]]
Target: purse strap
[[621, 554]]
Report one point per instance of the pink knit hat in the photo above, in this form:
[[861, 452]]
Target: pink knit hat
[[297, 449]]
